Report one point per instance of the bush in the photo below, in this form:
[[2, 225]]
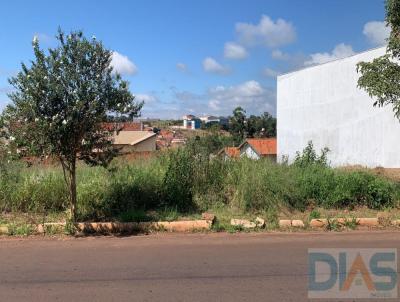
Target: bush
[[178, 181], [358, 188], [309, 157]]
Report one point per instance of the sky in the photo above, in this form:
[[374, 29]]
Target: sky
[[199, 56]]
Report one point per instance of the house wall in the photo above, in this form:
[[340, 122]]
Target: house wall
[[248, 151], [322, 104], [271, 157], [146, 145]]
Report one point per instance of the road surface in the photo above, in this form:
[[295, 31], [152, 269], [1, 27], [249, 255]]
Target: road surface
[[168, 267]]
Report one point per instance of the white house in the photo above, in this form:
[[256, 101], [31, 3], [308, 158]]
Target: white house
[[323, 104], [256, 148]]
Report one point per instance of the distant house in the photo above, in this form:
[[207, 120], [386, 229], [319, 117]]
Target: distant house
[[210, 119], [191, 122], [256, 148], [129, 137], [169, 139], [135, 141], [229, 153]]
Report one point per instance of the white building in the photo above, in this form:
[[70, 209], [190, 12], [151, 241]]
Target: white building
[[191, 122], [323, 104], [214, 119]]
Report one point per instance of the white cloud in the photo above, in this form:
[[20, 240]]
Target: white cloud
[[234, 51], [146, 98], [250, 95], [279, 55], [340, 51], [211, 65], [266, 32], [270, 73], [182, 67], [217, 100], [122, 65], [376, 32]]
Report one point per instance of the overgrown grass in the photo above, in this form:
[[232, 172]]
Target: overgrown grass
[[186, 182]]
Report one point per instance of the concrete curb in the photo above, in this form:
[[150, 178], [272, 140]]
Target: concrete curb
[[285, 223], [319, 223], [395, 222], [132, 227], [3, 230]]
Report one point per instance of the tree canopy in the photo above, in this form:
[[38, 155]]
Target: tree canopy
[[381, 77], [242, 127]]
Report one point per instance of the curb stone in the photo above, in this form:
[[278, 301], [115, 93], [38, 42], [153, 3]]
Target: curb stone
[[3, 230], [129, 227], [245, 223], [319, 223], [285, 223]]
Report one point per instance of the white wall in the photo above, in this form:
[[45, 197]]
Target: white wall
[[248, 151], [323, 104]]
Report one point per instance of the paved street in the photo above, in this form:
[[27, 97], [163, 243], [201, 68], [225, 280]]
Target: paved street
[[167, 267]]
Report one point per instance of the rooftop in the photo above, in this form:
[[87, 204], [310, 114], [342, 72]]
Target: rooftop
[[232, 152], [263, 146], [132, 137]]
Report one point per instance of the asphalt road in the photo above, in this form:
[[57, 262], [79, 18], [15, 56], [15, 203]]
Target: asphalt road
[[166, 267]]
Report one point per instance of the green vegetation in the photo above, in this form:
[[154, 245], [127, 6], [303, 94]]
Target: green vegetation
[[380, 78], [241, 127], [183, 182]]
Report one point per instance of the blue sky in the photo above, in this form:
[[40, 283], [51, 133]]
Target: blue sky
[[199, 57]]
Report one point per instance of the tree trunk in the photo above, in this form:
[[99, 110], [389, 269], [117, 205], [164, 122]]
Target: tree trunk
[[72, 190]]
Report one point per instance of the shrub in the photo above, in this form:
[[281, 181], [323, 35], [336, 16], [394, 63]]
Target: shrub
[[178, 181], [310, 157]]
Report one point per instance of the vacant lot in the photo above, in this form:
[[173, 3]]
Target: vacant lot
[[183, 183]]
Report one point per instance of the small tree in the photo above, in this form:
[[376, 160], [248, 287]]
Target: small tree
[[381, 77], [60, 102]]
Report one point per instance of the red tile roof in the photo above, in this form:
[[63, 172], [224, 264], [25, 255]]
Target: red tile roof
[[232, 152], [263, 146], [126, 126]]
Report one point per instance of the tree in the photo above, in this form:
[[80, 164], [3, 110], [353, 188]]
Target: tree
[[261, 126], [381, 77], [60, 102], [237, 125]]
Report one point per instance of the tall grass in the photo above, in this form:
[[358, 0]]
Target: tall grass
[[184, 181]]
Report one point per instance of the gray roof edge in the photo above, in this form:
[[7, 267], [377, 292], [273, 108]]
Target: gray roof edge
[[339, 59]]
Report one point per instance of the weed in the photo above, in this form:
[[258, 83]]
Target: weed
[[350, 223], [333, 225], [315, 214], [70, 228], [20, 230]]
